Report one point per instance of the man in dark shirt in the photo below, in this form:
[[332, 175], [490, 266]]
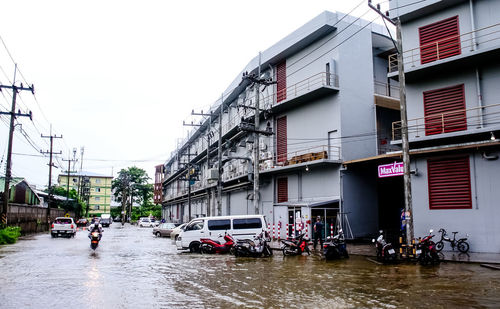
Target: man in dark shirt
[[318, 232]]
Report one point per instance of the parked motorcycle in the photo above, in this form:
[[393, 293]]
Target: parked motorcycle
[[461, 244], [257, 247], [385, 250], [295, 246], [335, 247], [426, 251], [213, 246], [94, 239]]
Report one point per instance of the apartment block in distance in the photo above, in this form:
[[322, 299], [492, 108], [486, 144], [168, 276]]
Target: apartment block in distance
[[99, 188]]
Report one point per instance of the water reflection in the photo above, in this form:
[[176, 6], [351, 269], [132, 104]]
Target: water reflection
[[132, 267]]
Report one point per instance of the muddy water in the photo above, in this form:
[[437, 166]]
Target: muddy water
[[133, 269]]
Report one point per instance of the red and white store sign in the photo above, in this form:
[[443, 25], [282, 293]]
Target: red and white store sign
[[389, 170]]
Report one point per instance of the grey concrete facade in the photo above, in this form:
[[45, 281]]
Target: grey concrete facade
[[330, 118], [478, 69]]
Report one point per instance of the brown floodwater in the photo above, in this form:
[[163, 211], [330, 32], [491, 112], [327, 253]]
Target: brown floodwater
[[133, 269]]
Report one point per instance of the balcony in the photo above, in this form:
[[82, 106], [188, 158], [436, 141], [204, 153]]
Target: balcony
[[386, 95], [480, 44], [451, 124]]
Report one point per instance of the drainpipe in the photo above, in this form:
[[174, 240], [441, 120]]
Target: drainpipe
[[479, 98], [473, 32]]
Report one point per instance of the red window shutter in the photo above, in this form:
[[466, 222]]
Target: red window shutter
[[439, 40], [445, 110], [449, 183], [281, 81], [282, 190], [281, 140]]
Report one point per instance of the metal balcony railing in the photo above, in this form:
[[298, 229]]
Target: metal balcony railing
[[386, 90], [459, 120], [447, 47]]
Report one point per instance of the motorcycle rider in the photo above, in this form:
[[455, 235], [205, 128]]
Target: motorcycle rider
[[95, 226]]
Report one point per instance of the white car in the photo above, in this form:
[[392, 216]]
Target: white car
[[63, 226], [146, 222]]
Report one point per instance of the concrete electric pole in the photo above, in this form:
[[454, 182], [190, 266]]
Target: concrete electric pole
[[404, 125], [51, 164], [13, 115]]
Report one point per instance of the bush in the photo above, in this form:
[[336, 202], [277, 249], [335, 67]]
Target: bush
[[9, 235]]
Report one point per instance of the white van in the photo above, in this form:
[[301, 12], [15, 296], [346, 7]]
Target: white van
[[240, 227]]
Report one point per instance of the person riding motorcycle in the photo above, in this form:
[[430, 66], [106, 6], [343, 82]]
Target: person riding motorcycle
[[95, 226]]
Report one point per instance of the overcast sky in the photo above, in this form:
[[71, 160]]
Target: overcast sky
[[119, 77]]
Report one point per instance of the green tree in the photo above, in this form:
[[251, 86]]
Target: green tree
[[132, 186], [75, 203]]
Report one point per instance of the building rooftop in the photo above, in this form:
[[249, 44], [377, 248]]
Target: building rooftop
[[84, 173]]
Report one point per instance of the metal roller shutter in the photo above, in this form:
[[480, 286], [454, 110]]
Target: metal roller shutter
[[439, 40], [281, 81], [282, 190], [449, 183], [445, 110], [281, 140]]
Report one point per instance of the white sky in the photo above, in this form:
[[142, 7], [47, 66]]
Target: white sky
[[119, 77]]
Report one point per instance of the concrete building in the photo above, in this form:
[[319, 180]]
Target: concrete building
[[452, 71], [98, 188], [332, 102]]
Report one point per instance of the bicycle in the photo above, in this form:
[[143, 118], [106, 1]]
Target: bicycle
[[461, 244]]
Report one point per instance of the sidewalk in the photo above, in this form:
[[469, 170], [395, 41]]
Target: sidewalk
[[451, 256]]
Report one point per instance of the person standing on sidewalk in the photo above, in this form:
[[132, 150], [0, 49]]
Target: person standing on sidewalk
[[318, 232]]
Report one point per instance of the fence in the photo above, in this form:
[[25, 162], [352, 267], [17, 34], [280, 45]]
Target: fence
[[32, 219]]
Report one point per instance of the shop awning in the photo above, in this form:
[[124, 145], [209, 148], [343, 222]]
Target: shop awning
[[310, 202]]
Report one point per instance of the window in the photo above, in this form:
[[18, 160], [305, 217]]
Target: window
[[97, 189], [439, 40], [445, 110], [97, 198], [98, 180], [215, 225], [449, 183], [75, 180], [281, 140], [196, 225], [97, 207], [281, 81], [282, 190], [249, 223]]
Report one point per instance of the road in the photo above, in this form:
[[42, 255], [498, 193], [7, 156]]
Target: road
[[133, 269]]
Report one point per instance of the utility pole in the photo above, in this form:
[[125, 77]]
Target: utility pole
[[208, 151], [219, 159], [404, 124], [68, 175], [256, 147], [51, 164], [188, 176], [257, 81], [13, 115]]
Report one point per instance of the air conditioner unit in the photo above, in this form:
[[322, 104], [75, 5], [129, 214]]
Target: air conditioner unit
[[263, 145], [213, 174]]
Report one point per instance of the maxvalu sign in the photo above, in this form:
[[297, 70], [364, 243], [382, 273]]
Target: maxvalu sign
[[389, 170]]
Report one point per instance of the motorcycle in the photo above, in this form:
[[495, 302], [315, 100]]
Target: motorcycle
[[254, 248], [296, 246], [94, 239], [335, 247], [214, 246], [461, 244], [385, 250], [426, 251]]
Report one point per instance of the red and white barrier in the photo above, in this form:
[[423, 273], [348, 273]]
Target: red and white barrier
[[331, 230], [293, 230], [274, 232], [287, 232]]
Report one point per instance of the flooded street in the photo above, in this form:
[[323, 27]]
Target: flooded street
[[133, 269]]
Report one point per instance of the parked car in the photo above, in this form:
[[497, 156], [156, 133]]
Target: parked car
[[215, 228], [177, 230], [163, 229], [63, 226], [82, 222], [145, 222]]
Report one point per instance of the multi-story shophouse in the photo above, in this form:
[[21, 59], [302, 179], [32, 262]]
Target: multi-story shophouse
[[332, 102], [452, 71], [92, 185]]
